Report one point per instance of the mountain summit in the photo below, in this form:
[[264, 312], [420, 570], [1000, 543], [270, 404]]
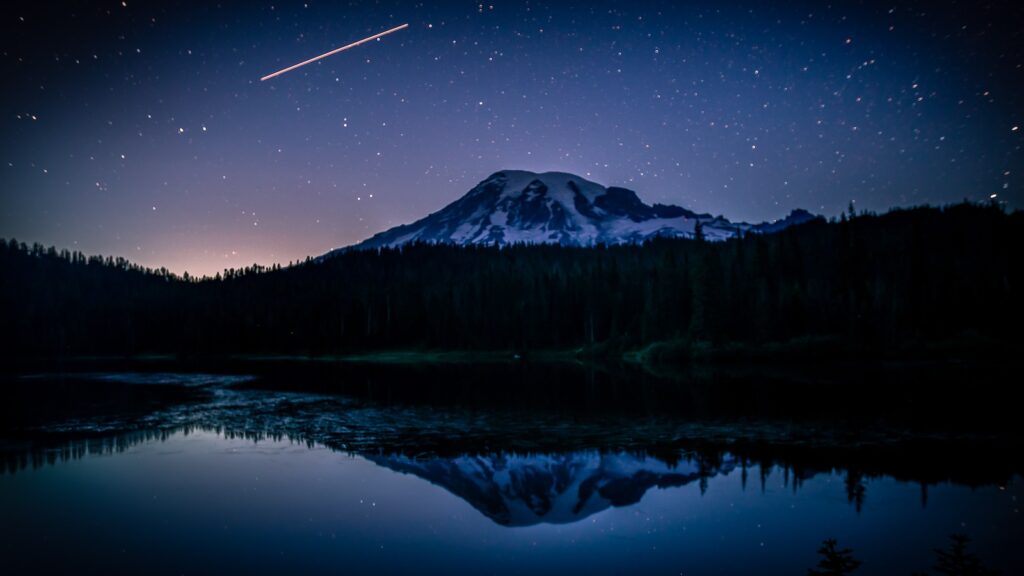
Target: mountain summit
[[515, 206]]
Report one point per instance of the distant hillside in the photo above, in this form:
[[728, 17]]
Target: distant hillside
[[919, 279]]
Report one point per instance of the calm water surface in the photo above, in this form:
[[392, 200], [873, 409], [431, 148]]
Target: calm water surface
[[192, 474]]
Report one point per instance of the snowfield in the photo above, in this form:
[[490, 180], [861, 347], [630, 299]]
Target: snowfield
[[516, 206]]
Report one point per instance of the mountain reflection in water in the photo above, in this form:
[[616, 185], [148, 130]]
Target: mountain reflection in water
[[536, 460], [523, 490], [502, 469]]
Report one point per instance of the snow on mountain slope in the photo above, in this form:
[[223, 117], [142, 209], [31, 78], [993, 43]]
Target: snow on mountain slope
[[514, 206]]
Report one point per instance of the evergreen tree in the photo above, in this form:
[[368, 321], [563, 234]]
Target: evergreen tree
[[834, 561], [871, 284], [957, 561]]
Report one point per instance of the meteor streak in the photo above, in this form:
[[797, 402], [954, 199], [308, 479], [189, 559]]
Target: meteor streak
[[335, 51]]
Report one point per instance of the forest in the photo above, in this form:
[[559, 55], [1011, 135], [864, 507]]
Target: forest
[[910, 281]]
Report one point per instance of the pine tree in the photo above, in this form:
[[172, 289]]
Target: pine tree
[[957, 561], [834, 562]]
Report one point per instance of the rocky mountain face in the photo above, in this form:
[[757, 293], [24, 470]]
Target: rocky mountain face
[[514, 206]]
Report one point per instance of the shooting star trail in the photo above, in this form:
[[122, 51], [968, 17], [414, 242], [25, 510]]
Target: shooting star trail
[[333, 52]]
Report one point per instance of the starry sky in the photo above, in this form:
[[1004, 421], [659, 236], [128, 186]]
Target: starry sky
[[141, 129]]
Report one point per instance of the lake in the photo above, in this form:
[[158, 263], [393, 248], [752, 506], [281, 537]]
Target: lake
[[306, 468]]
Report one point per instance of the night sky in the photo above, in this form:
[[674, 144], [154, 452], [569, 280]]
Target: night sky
[[141, 129]]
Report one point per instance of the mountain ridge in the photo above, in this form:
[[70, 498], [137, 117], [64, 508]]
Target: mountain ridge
[[518, 206]]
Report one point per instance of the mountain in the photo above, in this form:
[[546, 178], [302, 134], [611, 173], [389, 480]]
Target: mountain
[[524, 490], [514, 206]]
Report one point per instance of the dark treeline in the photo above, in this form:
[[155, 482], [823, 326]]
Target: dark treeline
[[906, 279]]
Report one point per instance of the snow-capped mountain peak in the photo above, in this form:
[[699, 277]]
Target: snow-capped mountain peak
[[516, 206]]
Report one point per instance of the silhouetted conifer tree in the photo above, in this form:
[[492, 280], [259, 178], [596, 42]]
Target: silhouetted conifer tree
[[834, 561], [957, 561]]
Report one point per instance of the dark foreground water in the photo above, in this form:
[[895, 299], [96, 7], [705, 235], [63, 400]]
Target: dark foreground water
[[358, 470]]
